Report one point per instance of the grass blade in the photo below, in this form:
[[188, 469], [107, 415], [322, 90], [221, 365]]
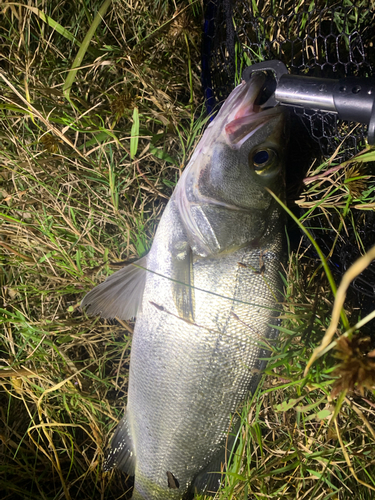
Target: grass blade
[[134, 134], [83, 49]]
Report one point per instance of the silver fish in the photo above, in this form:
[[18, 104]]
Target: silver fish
[[205, 298]]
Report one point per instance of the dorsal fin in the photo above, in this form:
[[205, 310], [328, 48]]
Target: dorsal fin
[[120, 295]]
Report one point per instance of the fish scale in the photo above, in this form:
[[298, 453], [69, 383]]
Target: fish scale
[[205, 297]]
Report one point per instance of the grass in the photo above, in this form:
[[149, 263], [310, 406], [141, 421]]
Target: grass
[[100, 108]]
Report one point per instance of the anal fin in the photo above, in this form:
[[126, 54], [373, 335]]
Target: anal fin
[[122, 453]]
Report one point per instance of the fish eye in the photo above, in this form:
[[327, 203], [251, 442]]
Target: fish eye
[[263, 160]]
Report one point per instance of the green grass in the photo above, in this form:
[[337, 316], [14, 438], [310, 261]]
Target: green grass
[[98, 118]]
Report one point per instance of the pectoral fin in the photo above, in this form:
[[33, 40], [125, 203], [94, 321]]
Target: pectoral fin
[[183, 291], [120, 295]]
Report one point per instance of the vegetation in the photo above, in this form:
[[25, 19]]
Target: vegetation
[[100, 109]]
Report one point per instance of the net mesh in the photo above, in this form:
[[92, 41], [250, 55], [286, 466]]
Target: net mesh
[[311, 39], [321, 39]]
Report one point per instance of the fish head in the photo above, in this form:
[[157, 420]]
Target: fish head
[[223, 196]]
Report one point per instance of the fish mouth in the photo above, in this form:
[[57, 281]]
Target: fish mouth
[[245, 112]]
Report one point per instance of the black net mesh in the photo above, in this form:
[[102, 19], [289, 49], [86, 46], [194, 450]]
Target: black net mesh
[[309, 38], [322, 39]]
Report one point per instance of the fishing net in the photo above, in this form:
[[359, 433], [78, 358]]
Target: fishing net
[[321, 39], [309, 38]]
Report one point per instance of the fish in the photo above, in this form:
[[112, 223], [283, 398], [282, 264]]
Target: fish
[[206, 300]]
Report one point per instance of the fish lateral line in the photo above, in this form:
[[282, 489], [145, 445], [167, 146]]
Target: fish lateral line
[[232, 299], [164, 309]]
